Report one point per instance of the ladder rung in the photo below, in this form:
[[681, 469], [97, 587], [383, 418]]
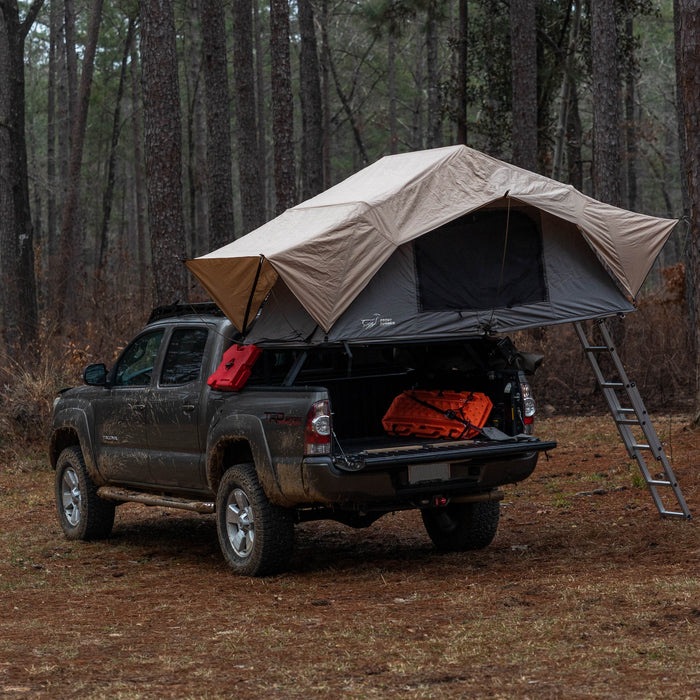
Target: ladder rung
[[675, 514], [596, 348], [625, 410], [611, 385], [627, 421], [659, 482], [642, 447]]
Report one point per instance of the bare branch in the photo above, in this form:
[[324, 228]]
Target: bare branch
[[29, 19]]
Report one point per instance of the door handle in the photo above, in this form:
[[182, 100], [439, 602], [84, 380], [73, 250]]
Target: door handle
[[188, 407], [138, 406]]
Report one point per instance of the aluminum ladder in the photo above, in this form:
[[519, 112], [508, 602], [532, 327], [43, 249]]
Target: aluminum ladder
[[627, 417]]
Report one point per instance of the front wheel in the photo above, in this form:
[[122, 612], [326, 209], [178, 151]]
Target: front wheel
[[82, 513], [461, 527], [256, 536]]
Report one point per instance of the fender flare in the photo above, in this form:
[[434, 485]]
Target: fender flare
[[72, 427], [249, 433]]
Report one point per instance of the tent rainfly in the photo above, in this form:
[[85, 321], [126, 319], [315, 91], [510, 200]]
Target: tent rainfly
[[442, 243]]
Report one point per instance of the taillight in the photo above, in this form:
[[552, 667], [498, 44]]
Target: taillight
[[318, 429], [528, 404]]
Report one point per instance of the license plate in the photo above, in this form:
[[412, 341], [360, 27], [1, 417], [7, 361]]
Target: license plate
[[420, 473]]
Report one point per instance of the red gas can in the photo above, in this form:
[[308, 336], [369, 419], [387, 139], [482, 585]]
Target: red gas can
[[235, 368]]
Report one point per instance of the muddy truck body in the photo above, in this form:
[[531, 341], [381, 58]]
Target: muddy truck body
[[289, 433]]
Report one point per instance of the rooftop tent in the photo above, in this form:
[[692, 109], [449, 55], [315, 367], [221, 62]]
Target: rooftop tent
[[434, 243]]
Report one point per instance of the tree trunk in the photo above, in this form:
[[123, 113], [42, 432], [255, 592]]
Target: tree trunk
[[219, 160], [326, 92], [71, 253], [462, 71], [495, 135], [138, 159], [574, 137], [417, 130], [347, 107], [607, 185], [393, 122], [51, 246], [523, 43], [688, 66], [607, 168], [64, 124], [683, 158], [282, 106], [432, 70], [71, 62], [311, 105], [111, 165], [197, 220], [163, 141], [261, 111], [566, 94], [249, 173], [680, 111], [19, 305], [630, 119]]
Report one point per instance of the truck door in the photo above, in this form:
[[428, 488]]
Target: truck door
[[120, 414], [174, 413]]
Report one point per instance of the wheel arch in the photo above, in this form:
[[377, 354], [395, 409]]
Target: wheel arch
[[238, 439], [60, 439], [74, 434], [226, 452]]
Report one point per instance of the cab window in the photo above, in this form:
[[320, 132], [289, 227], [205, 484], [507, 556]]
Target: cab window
[[183, 361], [135, 366]]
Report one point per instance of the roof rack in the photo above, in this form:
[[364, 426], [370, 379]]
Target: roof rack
[[206, 308]]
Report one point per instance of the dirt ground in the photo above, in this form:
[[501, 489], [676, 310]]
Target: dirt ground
[[586, 592]]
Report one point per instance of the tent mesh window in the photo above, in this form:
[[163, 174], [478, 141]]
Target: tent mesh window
[[481, 261]]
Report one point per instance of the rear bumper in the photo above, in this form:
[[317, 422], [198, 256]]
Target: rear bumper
[[388, 486]]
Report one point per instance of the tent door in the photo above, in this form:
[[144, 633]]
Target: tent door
[[634, 419]]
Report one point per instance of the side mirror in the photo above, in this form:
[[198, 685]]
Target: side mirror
[[95, 375]]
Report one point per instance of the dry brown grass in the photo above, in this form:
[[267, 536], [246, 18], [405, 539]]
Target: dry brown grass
[[655, 350]]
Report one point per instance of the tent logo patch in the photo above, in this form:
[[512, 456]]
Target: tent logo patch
[[377, 320]]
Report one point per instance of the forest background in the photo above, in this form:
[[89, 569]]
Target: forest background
[[160, 130]]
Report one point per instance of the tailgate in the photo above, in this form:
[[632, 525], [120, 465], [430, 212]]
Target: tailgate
[[443, 451]]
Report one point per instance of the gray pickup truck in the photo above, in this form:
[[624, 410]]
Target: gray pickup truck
[[302, 440]]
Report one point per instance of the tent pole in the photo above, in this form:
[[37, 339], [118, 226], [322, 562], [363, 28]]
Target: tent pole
[[252, 294]]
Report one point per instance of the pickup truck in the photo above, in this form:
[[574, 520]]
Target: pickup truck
[[302, 439]]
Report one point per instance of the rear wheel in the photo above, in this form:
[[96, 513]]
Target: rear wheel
[[82, 513], [256, 536], [460, 527]]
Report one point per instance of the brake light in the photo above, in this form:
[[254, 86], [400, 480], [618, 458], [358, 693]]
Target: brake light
[[528, 405], [318, 429]]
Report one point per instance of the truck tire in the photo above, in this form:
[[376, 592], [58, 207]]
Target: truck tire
[[82, 513], [461, 527], [256, 536]]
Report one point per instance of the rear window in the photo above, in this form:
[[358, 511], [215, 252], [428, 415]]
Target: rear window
[[183, 360]]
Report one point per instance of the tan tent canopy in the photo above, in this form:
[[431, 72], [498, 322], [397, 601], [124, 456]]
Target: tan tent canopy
[[325, 251]]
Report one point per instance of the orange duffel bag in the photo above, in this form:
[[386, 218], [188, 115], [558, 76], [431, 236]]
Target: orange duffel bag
[[437, 414]]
